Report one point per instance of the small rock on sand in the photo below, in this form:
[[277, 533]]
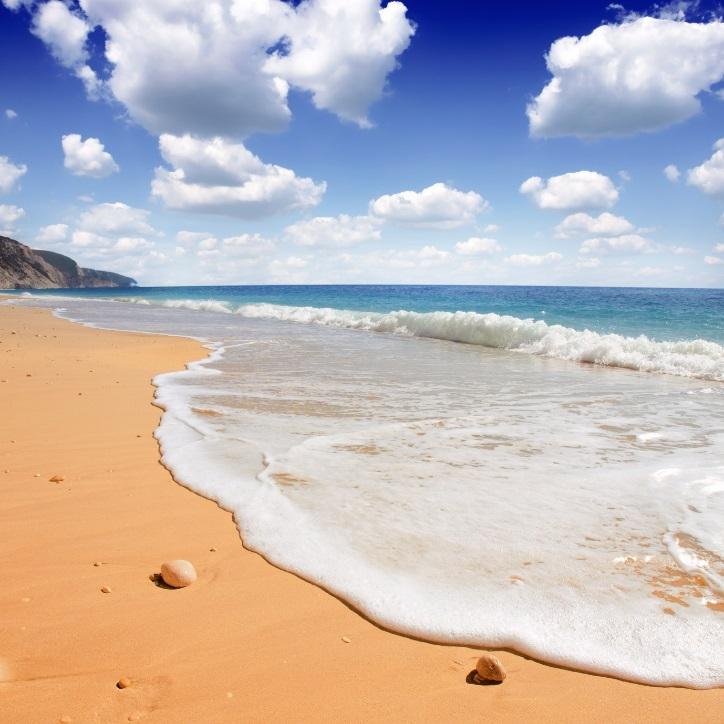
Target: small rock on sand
[[123, 683], [489, 668], [97, 563], [57, 479], [105, 589], [178, 573], [64, 719], [347, 639]]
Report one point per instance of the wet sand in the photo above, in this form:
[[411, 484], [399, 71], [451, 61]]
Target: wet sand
[[246, 642]]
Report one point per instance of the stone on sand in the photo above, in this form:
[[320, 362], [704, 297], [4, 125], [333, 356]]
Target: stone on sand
[[489, 668], [105, 589], [123, 683], [57, 479], [178, 573]]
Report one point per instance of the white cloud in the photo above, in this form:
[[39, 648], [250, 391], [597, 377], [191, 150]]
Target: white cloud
[[87, 158], [628, 78], [491, 229], [62, 31], [218, 176], [477, 245], [65, 33], [342, 53], [713, 260], [590, 263], [438, 206], [189, 238], [626, 244], [575, 190], [533, 260], [709, 176], [52, 234], [207, 69], [248, 245], [672, 173], [719, 248], [342, 230], [10, 114], [681, 250], [115, 219], [9, 216], [582, 224], [9, 174]]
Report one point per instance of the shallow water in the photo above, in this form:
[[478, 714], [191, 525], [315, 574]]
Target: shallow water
[[463, 492]]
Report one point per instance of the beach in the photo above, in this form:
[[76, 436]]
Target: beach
[[247, 641]]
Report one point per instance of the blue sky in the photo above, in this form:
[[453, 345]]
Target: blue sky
[[252, 141]]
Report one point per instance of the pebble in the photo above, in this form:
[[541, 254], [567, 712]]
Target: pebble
[[213, 550], [105, 589], [178, 573], [123, 683], [36, 475], [64, 719], [57, 479], [97, 563], [489, 668], [346, 639]]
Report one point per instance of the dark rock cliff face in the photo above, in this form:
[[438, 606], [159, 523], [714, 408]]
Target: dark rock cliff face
[[24, 268]]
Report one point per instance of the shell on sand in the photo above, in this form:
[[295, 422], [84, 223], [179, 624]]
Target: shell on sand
[[489, 668], [178, 573]]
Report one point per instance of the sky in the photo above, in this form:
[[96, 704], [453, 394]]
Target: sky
[[362, 141]]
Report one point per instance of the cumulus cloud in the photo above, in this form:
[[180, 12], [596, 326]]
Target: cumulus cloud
[[672, 173], [713, 260], [625, 244], [225, 68], [575, 190], [590, 263], [709, 176], [342, 53], [533, 259], [342, 230], [115, 219], [475, 246], [9, 174], [627, 78], [582, 224], [10, 114], [9, 216], [62, 31], [438, 207], [65, 33], [52, 234], [719, 248], [87, 158], [221, 177]]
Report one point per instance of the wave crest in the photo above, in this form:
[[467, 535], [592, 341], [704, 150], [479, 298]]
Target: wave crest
[[688, 358]]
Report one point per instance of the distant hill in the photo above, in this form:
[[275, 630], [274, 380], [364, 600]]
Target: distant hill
[[24, 268]]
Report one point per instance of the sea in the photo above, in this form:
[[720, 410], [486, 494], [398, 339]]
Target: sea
[[534, 468]]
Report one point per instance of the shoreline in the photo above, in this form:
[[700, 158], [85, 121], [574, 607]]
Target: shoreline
[[247, 640]]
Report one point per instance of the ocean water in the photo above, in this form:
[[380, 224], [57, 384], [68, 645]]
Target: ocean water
[[555, 484]]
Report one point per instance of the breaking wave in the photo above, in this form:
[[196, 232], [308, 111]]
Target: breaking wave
[[697, 358]]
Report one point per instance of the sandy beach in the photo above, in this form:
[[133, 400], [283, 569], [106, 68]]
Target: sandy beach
[[246, 642]]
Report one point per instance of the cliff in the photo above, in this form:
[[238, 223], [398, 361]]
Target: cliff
[[24, 268]]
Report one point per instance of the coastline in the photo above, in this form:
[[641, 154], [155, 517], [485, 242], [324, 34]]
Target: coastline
[[247, 640]]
